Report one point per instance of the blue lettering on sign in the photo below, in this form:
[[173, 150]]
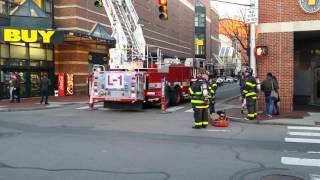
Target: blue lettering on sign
[[126, 87], [310, 7], [101, 77]]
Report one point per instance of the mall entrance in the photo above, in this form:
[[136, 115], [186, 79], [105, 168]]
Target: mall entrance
[[307, 68]]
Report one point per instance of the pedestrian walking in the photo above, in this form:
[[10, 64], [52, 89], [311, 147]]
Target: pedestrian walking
[[212, 86], [16, 88], [45, 89], [269, 87], [276, 101], [249, 92], [200, 102], [11, 87]]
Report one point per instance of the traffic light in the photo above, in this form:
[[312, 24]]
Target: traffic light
[[98, 3], [163, 9], [261, 50]]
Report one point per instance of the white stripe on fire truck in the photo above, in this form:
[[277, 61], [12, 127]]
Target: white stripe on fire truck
[[155, 85], [185, 83]]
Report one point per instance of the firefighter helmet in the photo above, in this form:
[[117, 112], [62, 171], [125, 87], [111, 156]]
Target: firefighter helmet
[[249, 70]]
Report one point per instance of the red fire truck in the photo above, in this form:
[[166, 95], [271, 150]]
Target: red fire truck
[[131, 89]]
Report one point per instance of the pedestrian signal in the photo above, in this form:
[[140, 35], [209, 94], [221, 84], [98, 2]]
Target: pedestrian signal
[[98, 3], [261, 50], [163, 9]]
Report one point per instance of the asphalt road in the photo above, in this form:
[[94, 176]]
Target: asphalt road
[[76, 143]]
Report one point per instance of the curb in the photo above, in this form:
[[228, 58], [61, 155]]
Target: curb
[[38, 108], [261, 122]]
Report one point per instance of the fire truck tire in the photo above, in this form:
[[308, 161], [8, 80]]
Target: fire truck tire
[[175, 96]]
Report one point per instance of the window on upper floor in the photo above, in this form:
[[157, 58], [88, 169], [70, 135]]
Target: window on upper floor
[[13, 6]]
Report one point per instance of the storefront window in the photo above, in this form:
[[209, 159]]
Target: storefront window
[[19, 52], [3, 7], [37, 53], [49, 54], [4, 51]]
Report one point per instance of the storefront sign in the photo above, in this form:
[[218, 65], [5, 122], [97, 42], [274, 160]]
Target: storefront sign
[[310, 6], [61, 84], [29, 36]]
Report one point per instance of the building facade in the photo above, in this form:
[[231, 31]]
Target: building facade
[[291, 31], [176, 37], [24, 52]]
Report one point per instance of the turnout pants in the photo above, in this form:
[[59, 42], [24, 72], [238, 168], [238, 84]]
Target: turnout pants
[[201, 117], [212, 106], [252, 108]]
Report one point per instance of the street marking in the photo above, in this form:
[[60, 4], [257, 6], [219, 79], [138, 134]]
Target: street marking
[[302, 140], [314, 177], [87, 107], [313, 152], [300, 161], [218, 130], [304, 128], [303, 134], [190, 110], [172, 109]]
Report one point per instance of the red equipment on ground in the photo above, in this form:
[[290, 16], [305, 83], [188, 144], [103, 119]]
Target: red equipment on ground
[[222, 120]]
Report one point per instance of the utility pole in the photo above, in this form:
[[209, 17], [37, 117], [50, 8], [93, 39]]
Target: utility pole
[[253, 63]]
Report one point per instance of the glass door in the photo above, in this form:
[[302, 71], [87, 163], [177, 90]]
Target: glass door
[[35, 83]]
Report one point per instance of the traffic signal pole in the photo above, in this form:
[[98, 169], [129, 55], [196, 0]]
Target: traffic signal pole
[[253, 63]]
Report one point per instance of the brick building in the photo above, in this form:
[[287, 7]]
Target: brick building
[[175, 36], [291, 31]]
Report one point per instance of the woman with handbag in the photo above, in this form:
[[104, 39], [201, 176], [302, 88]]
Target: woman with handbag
[[269, 87], [276, 101]]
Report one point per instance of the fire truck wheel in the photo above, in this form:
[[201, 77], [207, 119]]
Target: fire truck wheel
[[175, 96]]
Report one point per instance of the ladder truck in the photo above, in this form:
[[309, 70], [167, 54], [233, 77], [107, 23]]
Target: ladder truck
[[131, 80]]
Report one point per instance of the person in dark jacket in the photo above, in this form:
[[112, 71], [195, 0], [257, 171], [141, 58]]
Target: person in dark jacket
[[16, 88], [267, 86], [45, 88]]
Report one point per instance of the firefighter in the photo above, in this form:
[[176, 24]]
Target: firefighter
[[249, 92], [212, 86], [200, 102]]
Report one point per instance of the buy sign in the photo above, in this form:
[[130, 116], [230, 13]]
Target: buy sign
[[28, 36]]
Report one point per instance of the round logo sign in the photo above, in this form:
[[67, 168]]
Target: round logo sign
[[310, 6]]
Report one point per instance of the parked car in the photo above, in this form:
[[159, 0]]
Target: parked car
[[229, 79], [220, 81]]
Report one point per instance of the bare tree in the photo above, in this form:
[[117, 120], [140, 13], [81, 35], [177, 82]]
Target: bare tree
[[236, 29]]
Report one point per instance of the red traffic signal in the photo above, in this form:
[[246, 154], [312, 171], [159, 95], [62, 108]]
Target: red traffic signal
[[261, 50], [163, 9]]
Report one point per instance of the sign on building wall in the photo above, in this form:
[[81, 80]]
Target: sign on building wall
[[310, 6], [31, 36]]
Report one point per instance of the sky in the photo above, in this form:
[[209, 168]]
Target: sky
[[228, 10]]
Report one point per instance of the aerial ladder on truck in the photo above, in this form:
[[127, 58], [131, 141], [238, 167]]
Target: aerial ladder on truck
[[130, 42]]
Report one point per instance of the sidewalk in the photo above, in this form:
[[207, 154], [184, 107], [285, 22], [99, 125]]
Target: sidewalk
[[33, 103], [301, 117]]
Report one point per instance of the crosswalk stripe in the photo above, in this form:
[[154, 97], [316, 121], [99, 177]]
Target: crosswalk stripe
[[172, 109], [300, 161], [302, 140], [303, 128], [87, 107], [303, 134]]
